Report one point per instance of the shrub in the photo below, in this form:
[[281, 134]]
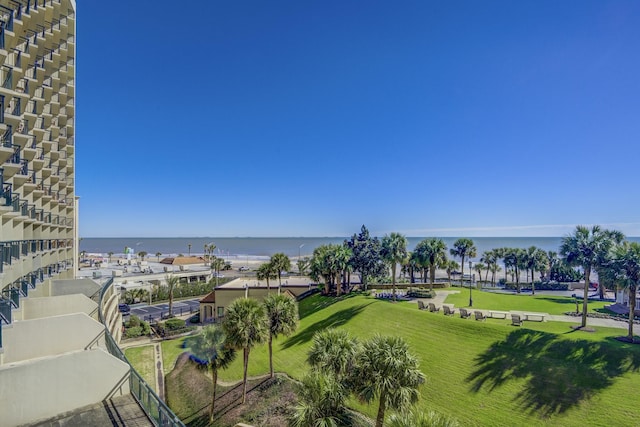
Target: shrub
[[133, 321], [419, 293], [133, 332], [174, 324]]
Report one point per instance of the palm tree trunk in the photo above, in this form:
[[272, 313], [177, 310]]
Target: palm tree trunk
[[462, 272], [338, 283], [432, 277], [632, 308], [271, 355], [533, 284], [214, 379], [268, 286], [244, 378], [585, 302], [600, 287], [381, 409], [393, 280]]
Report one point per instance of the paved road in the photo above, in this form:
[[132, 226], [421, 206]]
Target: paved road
[[157, 311]]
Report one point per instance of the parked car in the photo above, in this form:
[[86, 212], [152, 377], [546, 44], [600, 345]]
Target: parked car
[[124, 308], [219, 275], [243, 268]]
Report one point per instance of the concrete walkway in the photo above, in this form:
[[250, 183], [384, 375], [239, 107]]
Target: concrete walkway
[[159, 371], [441, 296]]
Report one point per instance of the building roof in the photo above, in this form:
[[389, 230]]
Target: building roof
[[210, 297], [183, 260]]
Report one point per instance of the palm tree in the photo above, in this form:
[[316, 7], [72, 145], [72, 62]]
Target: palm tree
[[623, 268], [211, 350], [387, 370], [514, 258], [158, 254], [432, 253], [245, 325], [535, 259], [333, 351], [303, 265], [280, 263], [463, 248], [394, 250], [479, 268], [189, 246], [266, 272], [282, 314], [450, 266], [583, 249], [321, 266], [142, 254], [321, 400], [341, 257], [110, 255], [489, 258], [172, 281], [616, 238]]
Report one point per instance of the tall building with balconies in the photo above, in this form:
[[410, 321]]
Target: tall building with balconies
[[37, 153], [59, 356]]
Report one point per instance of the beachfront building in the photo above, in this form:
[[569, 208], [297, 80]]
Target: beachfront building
[[213, 305], [37, 152], [58, 334]]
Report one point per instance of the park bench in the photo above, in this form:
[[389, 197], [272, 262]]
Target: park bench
[[433, 308], [535, 317], [464, 313], [448, 311], [498, 314], [421, 305], [516, 320], [480, 315]]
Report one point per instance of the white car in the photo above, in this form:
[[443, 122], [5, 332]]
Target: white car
[[219, 275]]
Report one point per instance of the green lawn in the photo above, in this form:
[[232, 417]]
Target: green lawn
[[523, 302], [171, 349], [143, 361], [481, 373]]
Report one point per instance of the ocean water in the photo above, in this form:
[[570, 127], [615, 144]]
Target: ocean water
[[263, 248]]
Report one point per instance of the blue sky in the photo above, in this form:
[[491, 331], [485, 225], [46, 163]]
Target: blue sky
[[290, 118]]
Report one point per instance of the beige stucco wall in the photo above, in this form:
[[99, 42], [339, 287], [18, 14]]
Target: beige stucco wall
[[43, 388], [224, 297]]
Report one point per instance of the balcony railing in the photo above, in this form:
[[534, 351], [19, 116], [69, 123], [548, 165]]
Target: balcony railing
[[6, 195], [157, 411], [6, 73]]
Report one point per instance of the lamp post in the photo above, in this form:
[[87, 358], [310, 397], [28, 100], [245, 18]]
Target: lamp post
[[470, 299]]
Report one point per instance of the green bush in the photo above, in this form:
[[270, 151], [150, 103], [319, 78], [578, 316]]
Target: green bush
[[419, 293], [133, 322], [540, 286], [174, 324], [133, 332]]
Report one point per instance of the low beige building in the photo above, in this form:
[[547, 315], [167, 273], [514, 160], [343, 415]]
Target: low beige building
[[212, 306]]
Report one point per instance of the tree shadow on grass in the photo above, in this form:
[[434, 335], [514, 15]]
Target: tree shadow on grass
[[318, 302], [559, 300], [558, 373], [337, 319]]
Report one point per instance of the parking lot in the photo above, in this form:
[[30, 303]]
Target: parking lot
[[158, 311]]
